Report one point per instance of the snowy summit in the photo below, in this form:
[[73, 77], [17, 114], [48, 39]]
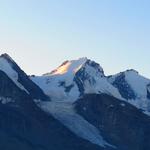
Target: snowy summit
[[74, 78]]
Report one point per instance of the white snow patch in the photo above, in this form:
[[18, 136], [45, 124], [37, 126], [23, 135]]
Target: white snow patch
[[111, 106], [51, 87], [37, 101], [84, 108], [5, 100], [123, 104]]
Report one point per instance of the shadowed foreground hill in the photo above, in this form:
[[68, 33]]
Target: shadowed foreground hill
[[120, 123]]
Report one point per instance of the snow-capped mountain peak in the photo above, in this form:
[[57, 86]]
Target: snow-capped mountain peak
[[10, 68], [135, 81], [6, 63], [133, 87], [7, 57], [74, 78], [70, 67], [73, 66]]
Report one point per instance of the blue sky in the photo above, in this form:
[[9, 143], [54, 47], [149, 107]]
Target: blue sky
[[41, 34]]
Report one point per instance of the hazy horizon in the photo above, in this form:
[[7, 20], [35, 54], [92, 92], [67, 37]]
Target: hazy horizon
[[39, 36]]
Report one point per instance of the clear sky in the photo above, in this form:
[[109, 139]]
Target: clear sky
[[41, 34]]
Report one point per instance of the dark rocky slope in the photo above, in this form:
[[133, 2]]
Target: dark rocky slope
[[120, 123]]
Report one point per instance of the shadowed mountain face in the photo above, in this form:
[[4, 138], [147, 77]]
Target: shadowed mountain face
[[120, 123], [36, 130], [123, 87]]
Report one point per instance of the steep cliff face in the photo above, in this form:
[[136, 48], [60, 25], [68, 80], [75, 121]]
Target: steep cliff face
[[120, 123]]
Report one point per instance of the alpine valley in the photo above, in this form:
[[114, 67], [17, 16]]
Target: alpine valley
[[74, 107]]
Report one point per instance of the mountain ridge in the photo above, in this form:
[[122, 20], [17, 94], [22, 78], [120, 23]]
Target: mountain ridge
[[87, 76], [76, 106]]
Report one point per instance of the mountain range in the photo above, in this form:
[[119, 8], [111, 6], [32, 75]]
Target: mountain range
[[74, 107]]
